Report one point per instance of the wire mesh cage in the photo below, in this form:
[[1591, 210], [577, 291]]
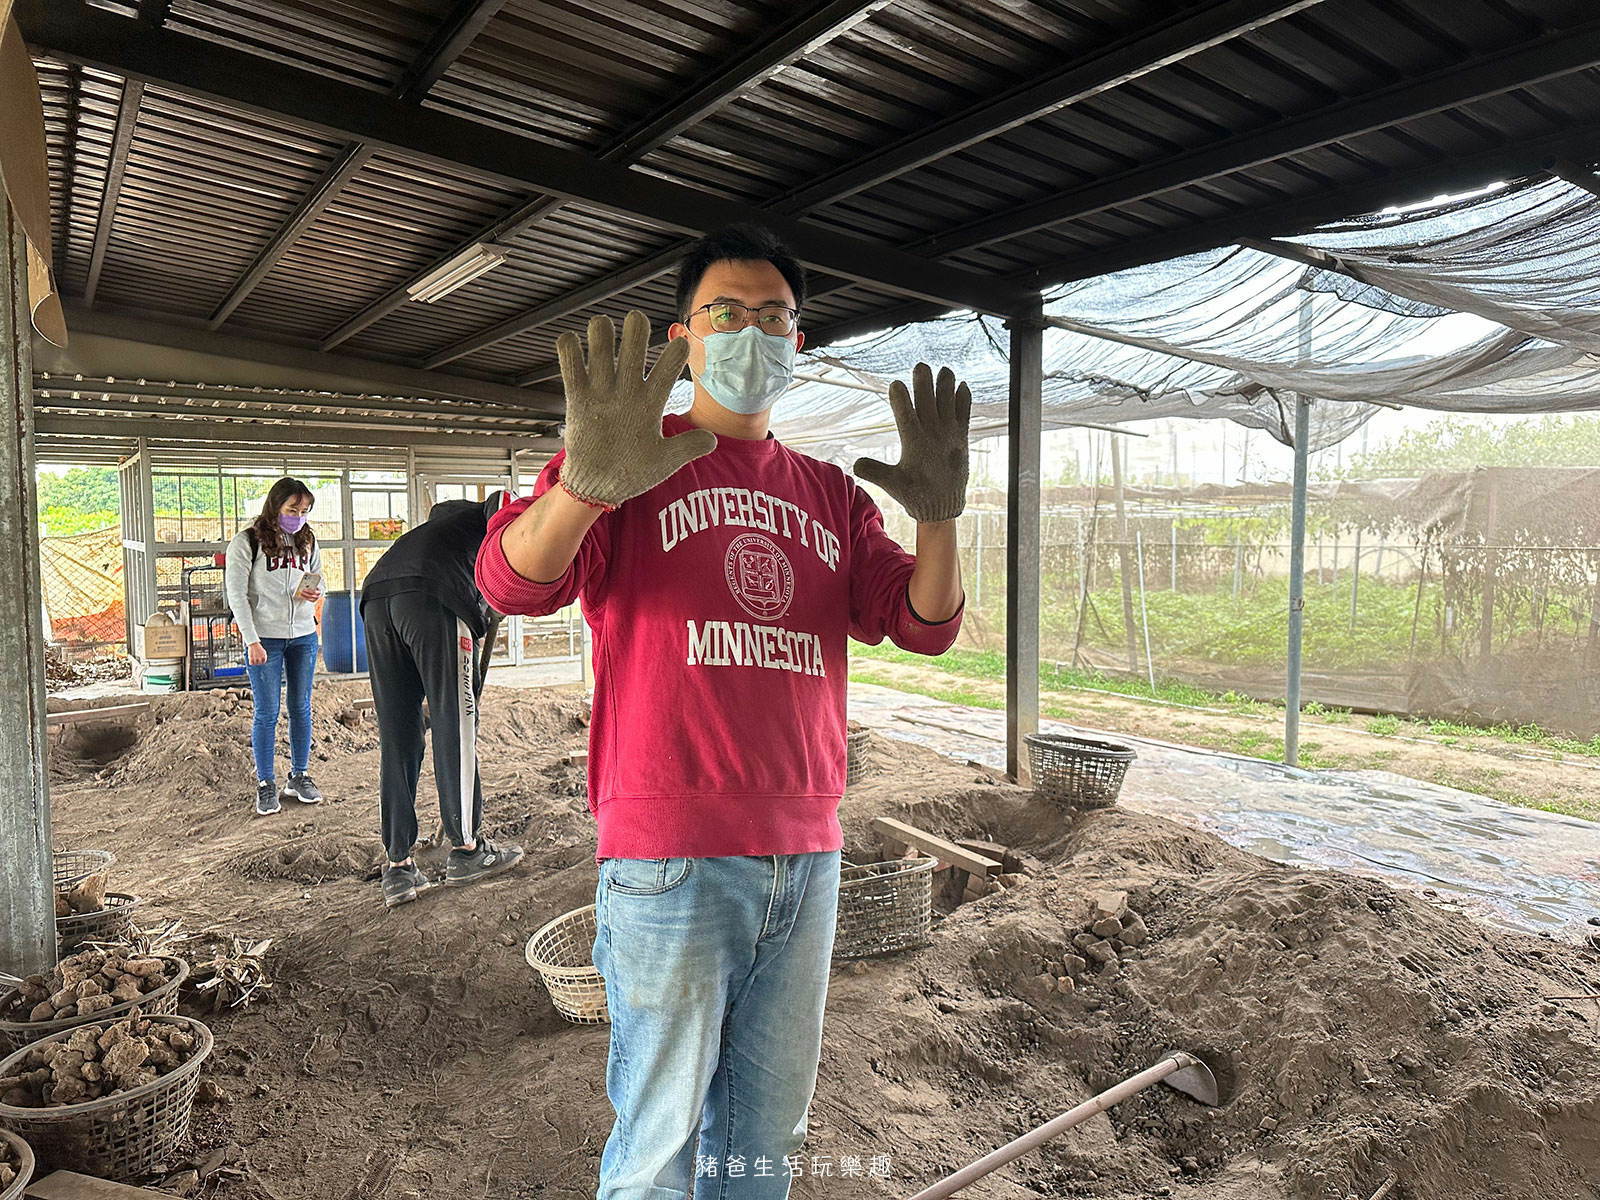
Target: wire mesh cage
[[122, 1137], [112, 923], [21, 1156], [562, 951], [72, 868], [16, 1035], [855, 750], [1077, 771], [884, 907]]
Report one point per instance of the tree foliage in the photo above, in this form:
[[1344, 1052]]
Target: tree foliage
[[1454, 444], [85, 498]]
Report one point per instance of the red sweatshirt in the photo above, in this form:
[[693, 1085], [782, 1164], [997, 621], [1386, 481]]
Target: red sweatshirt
[[721, 601]]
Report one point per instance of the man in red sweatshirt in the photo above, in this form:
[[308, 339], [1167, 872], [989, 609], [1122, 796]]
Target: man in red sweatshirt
[[722, 573]]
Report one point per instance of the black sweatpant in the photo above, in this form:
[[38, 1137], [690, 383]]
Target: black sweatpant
[[416, 647]]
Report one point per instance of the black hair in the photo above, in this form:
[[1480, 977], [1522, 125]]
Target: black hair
[[737, 243], [269, 535]]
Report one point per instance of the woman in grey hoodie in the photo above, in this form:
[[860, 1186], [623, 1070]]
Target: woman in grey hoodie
[[275, 609]]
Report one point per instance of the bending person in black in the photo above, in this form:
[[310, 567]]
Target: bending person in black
[[425, 621]]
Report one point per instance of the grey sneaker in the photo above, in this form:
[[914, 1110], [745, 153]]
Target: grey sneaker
[[267, 797], [484, 861], [302, 789], [402, 884]]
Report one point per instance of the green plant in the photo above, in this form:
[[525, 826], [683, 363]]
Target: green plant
[[1385, 725]]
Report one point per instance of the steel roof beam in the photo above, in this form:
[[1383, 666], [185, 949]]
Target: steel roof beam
[[74, 32], [1528, 157], [1577, 176], [453, 36], [200, 398], [1572, 50], [116, 166], [312, 205], [811, 29], [126, 346], [450, 40], [1581, 143], [269, 417], [167, 429], [1125, 61]]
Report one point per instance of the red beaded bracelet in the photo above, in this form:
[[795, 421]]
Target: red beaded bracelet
[[562, 480]]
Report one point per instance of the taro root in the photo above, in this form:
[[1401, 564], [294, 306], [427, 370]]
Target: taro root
[[90, 1005], [126, 990], [93, 1063], [87, 983], [88, 896]]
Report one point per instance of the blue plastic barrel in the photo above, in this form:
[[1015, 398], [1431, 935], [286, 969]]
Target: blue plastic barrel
[[337, 613]]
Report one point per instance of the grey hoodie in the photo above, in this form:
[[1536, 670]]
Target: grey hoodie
[[262, 592]]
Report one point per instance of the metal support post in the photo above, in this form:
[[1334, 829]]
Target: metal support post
[[27, 895], [1297, 583], [1024, 430], [1297, 549], [1355, 582], [1123, 564]]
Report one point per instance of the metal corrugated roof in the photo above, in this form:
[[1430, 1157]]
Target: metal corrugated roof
[[1019, 142]]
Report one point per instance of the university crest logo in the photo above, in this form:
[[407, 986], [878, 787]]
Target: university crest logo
[[759, 576]]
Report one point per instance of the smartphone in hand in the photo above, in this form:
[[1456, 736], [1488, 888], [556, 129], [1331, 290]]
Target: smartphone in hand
[[310, 585]]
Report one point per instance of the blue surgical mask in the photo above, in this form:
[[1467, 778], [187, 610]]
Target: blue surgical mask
[[747, 371]]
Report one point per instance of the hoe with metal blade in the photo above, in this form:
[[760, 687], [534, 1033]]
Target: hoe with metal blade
[[1180, 1071]]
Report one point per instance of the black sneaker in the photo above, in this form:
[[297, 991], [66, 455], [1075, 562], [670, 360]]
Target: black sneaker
[[401, 884], [482, 862], [302, 789], [267, 798]]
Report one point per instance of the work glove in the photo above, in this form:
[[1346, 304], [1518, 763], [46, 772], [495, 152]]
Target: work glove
[[615, 449], [930, 480]]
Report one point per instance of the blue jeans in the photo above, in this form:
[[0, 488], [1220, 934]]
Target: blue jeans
[[297, 658], [716, 974]]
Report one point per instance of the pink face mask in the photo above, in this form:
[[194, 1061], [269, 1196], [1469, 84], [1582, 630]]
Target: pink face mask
[[291, 522]]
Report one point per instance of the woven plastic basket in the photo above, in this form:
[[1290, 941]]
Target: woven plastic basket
[[17, 1034], [24, 1157], [1078, 771], [72, 867], [111, 923], [563, 954], [855, 751], [884, 907], [123, 1137]]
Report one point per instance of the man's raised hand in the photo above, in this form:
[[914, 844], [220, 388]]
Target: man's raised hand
[[930, 480], [615, 448]]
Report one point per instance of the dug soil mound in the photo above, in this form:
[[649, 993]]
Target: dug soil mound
[[1358, 1031]]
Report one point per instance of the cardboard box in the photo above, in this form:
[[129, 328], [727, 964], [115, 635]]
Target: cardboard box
[[160, 638]]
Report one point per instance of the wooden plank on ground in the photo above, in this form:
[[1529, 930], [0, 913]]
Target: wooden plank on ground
[[938, 847], [72, 716], [69, 1185]]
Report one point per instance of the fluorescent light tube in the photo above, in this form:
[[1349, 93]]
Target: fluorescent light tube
[[458, 272]]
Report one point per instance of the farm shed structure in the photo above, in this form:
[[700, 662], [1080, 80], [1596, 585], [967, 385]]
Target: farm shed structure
[[243, 198]]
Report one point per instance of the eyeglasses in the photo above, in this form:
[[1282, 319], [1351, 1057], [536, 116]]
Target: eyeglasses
[[728, 317]]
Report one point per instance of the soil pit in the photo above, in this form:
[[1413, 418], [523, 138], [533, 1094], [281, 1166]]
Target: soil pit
[[1357, 1030]]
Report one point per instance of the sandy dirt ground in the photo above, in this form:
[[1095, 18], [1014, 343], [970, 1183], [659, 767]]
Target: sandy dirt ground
[[1519, 775], [411, 1053]]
